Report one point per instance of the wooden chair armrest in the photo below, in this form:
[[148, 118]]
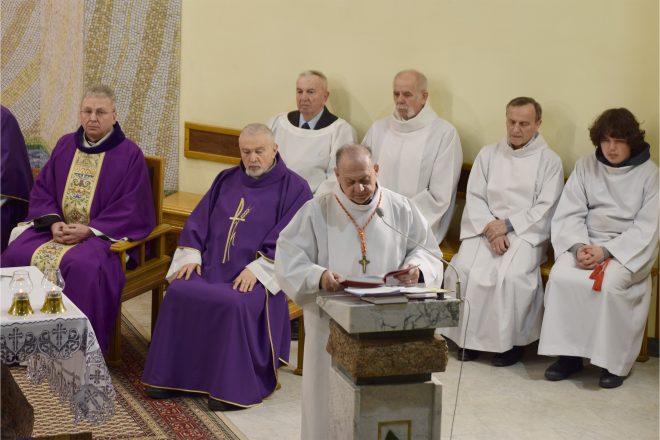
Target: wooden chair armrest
[[123, 246]]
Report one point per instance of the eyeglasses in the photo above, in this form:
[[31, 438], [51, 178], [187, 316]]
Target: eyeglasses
[[99, 113]]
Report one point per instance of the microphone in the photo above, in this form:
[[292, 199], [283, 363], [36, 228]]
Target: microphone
[[381, 214]]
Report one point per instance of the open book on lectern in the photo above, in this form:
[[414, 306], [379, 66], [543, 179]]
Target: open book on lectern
[[373, 280]]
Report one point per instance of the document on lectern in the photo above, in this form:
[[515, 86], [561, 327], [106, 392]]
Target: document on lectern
[[373, 280], [373, 291]]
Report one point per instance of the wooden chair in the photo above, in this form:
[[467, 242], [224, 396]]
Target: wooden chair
[[296, 313], [149, 274]]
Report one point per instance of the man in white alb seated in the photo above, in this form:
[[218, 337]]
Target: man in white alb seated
[[337, 235], [419, 154], [309, 137], [605, 237], [512, 192]]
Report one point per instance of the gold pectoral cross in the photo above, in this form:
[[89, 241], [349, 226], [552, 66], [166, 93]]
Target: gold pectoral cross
[[363, 262], [239, 216]]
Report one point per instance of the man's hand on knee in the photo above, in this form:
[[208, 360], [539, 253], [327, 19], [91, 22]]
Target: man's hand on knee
[[245, 281], [187, 270]]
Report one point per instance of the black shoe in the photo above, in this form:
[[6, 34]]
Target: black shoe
[[466, 355], [609, 380], [218, 405], [563, 367], [158, 393], [507, 358]]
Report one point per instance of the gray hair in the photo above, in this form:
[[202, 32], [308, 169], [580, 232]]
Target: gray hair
[[421, 81], [317, 73], [524, 100], [100, 90], [257, 128], [353, 150]]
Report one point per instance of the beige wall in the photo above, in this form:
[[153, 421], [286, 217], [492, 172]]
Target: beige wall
[[577, 57]]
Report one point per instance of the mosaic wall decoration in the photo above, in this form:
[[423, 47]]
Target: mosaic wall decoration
[[42, 67], [134, 45], [52, 50]]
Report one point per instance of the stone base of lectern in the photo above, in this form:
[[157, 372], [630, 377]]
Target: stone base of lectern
[[404, 411], [381, 386]]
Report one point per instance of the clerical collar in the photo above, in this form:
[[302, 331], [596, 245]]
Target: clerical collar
[[312, 122], [528, 142], [90, 144], [109, 141]]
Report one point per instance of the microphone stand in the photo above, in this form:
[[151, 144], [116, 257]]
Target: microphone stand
[[379, 213]]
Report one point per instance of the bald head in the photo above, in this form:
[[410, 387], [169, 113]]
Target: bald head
[[409, 92], [353, 152], [420, 81], [356, 173]]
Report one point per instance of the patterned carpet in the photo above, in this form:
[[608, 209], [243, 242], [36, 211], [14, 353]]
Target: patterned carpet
[[136, 417]]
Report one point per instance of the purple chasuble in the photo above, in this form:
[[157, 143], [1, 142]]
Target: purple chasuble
[[122, 206], [16, 175], [210, 338]]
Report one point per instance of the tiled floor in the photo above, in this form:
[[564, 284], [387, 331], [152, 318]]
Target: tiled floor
[[494, 403]]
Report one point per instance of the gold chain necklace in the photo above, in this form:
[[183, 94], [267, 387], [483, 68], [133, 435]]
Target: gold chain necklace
[[360, 231]]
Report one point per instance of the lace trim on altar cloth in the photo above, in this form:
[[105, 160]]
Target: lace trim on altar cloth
[[66, 354]]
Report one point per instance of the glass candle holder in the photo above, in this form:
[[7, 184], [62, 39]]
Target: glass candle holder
[[20, 286], [53, 284]]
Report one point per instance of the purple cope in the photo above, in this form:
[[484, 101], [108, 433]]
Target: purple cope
[[210, 338]]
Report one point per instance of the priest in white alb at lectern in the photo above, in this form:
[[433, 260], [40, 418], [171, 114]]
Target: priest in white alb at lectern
[[338, 235]]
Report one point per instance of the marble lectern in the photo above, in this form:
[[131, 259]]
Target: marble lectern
[[382, 359]]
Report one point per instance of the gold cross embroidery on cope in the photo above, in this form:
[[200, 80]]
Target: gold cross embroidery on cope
[[239, 216]]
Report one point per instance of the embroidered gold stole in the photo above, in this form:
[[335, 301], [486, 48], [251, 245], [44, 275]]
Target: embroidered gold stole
[[76, 205]]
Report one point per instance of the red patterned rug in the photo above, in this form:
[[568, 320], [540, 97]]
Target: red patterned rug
[[137, 416]]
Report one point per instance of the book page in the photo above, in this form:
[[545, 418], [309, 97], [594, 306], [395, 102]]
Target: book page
[[374, 291]]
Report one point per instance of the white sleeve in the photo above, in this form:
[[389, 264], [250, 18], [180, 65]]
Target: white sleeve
[[18, 230], [477, 214], [183, 256], [264, 269], [435, 201], [533, 224], [569, 222], [296, 254]]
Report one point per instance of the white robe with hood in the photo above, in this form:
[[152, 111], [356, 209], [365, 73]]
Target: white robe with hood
[[614, 207], [311, 153], [420, 158], [505, 292], [321, 237]]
